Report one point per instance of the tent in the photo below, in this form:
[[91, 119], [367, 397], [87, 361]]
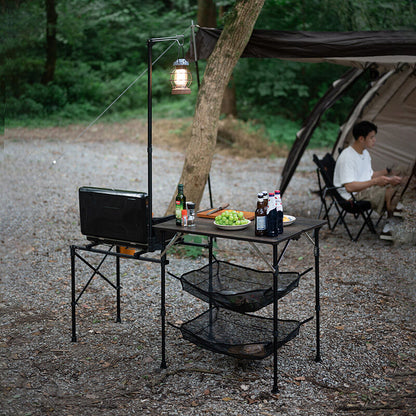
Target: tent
[[389, 101]]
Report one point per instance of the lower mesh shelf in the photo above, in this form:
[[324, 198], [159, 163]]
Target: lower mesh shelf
[[237, 288], [238, 335]]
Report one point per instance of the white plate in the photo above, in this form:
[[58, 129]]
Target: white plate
[[291, 220], [232, 227]]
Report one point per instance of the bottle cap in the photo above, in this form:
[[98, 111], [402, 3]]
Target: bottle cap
[[184, 212]]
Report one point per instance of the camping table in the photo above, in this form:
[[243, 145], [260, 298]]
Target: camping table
[[205, 227]]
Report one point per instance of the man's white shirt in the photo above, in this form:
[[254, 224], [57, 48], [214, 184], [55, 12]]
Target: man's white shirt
[[352, 166]]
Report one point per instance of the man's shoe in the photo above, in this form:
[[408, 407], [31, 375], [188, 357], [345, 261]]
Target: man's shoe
[[398, 211], [388, 236], [387, 233]]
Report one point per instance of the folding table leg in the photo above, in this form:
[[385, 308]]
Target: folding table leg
[[275, 316], [162, 301], [317, 297], [73, 300], [118, 287]]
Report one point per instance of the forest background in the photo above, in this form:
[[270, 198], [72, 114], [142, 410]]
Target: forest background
[[65, 62]]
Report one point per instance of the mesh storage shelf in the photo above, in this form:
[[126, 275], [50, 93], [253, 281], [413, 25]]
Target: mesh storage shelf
[[238, 335], [237, 288]]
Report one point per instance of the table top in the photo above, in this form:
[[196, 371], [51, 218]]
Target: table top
[[207, 227]]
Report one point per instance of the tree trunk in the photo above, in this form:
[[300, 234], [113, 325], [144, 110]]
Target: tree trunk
[[201, 148], [51, 20], [229, 101], [207, 16]]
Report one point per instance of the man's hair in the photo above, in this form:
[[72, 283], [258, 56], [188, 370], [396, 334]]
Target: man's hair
[[363, 128]]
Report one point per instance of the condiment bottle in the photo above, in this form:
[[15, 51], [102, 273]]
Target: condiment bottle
[[191, 213], [184, 220], [180, 204]]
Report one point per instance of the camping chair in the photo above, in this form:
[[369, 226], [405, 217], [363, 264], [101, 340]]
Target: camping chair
[[359, 209]]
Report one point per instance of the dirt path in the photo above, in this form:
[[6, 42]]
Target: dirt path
[[368, 298]]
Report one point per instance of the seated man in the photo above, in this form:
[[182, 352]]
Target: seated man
[[353, 171]]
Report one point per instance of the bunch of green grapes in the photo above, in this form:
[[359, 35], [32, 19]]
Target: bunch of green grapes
[[231, 218]]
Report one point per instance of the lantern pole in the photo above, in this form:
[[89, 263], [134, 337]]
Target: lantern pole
[[150, 43]]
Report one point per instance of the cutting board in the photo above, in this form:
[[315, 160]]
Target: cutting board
[[203, 214]]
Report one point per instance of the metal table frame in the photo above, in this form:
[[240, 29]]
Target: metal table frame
[[205, 227], [105, 250]]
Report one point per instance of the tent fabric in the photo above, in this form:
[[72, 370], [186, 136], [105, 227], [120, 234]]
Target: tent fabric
[[302, 137], [391, 105], [387, 48], [390, 102]]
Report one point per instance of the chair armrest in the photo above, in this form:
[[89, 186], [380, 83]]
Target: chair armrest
[[334, 188]]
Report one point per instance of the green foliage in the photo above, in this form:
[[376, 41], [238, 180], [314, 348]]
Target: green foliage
[[273, 87], [336, 15], [102, 50], [280, 129], [283, 131], [325, 135]]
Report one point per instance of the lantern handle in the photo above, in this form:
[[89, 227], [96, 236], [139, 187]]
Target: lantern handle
[[180, 48]]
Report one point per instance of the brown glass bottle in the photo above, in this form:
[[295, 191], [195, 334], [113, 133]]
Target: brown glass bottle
[[260, 216]]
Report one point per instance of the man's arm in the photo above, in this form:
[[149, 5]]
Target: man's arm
[[381, 180], [383, 172]]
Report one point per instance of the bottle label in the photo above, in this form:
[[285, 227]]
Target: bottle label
[[261, 223], [178, 211], [272, 203]]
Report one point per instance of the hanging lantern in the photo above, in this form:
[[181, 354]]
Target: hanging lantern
[[181, 77]]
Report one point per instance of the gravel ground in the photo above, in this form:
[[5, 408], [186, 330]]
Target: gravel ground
[[367, 293]]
